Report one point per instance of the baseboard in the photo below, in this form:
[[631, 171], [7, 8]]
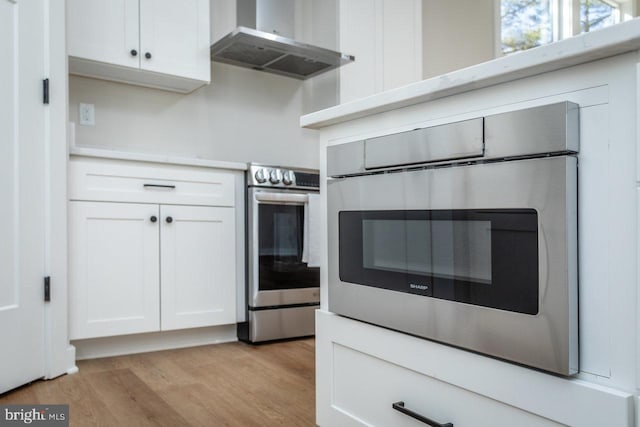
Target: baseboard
[[154, 341], [71, 358]]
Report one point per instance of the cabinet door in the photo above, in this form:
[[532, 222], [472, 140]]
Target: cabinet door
[[113, 269], [174, 38], [198, 266], [105, 31]]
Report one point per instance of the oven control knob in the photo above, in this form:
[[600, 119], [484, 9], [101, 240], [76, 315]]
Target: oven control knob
[[261, 176], [287, 178], [275, 176]]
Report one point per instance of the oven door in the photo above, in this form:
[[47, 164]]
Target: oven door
[[277, 274], [481, 256]]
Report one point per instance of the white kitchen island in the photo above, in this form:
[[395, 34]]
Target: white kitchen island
[[362, 369]]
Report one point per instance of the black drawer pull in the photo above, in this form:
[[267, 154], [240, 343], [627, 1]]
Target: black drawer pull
[[160, 186], [399, 406]]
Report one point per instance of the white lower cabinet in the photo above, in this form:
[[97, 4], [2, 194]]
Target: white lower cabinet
[[363, 370], [148, 267], [366, 387], [198, 263], [114, 269]]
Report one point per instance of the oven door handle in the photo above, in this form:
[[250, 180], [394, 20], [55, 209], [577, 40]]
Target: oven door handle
[[282, 198]]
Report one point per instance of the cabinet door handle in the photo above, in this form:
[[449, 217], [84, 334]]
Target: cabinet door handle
[[153, 218], [147, 55], [399, 406], [172, 187], [134, 52], [169, 220]]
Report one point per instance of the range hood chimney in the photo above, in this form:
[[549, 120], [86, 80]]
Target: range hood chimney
[[264, 41]]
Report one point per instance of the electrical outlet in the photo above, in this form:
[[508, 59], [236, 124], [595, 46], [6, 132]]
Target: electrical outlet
[[87, 114]]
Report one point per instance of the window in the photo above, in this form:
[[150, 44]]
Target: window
[[596, 14], [530, 23], [525, 24]]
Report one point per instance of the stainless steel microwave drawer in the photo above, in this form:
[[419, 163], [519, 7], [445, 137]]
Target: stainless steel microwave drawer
[[536, 131], [469, 256]]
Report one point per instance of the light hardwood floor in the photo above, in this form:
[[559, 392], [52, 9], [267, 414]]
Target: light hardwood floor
[[232, 384]]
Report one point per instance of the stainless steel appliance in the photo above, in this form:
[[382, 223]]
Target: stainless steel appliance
[[264, 41], [282, 289], [464, 233]]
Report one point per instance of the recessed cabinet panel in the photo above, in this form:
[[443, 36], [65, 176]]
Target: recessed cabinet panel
[[114, 269], [174, 37], [595, 286], [105, 31], [198, 266]]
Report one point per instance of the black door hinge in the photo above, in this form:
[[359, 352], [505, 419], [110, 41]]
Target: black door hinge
[[47, 289], [45, 91]]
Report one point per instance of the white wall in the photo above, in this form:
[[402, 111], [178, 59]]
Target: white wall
[[456, 34], [317, 24], [244, 115], [461, 33], [385, 36]]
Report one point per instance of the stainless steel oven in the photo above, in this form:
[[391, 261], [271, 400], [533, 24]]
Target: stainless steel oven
[[464, 233], [282, 285]]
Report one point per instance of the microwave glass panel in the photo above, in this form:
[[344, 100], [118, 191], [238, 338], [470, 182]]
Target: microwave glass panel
[[440, 248], [486, 257]]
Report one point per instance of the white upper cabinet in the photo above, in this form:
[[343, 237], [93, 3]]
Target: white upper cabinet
[[106, 31], [156, 43], [175, 34]]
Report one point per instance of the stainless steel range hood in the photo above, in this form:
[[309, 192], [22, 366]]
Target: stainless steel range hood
[[273, 51]]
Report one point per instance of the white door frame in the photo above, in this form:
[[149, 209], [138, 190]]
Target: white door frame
[[59, 354]]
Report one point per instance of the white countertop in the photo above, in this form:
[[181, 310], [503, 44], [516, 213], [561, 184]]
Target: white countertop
[[154, 158], [621, 38]]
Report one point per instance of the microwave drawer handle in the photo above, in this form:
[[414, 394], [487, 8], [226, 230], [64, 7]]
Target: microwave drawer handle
[[282, 198], [399, 406], [172, 187]]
